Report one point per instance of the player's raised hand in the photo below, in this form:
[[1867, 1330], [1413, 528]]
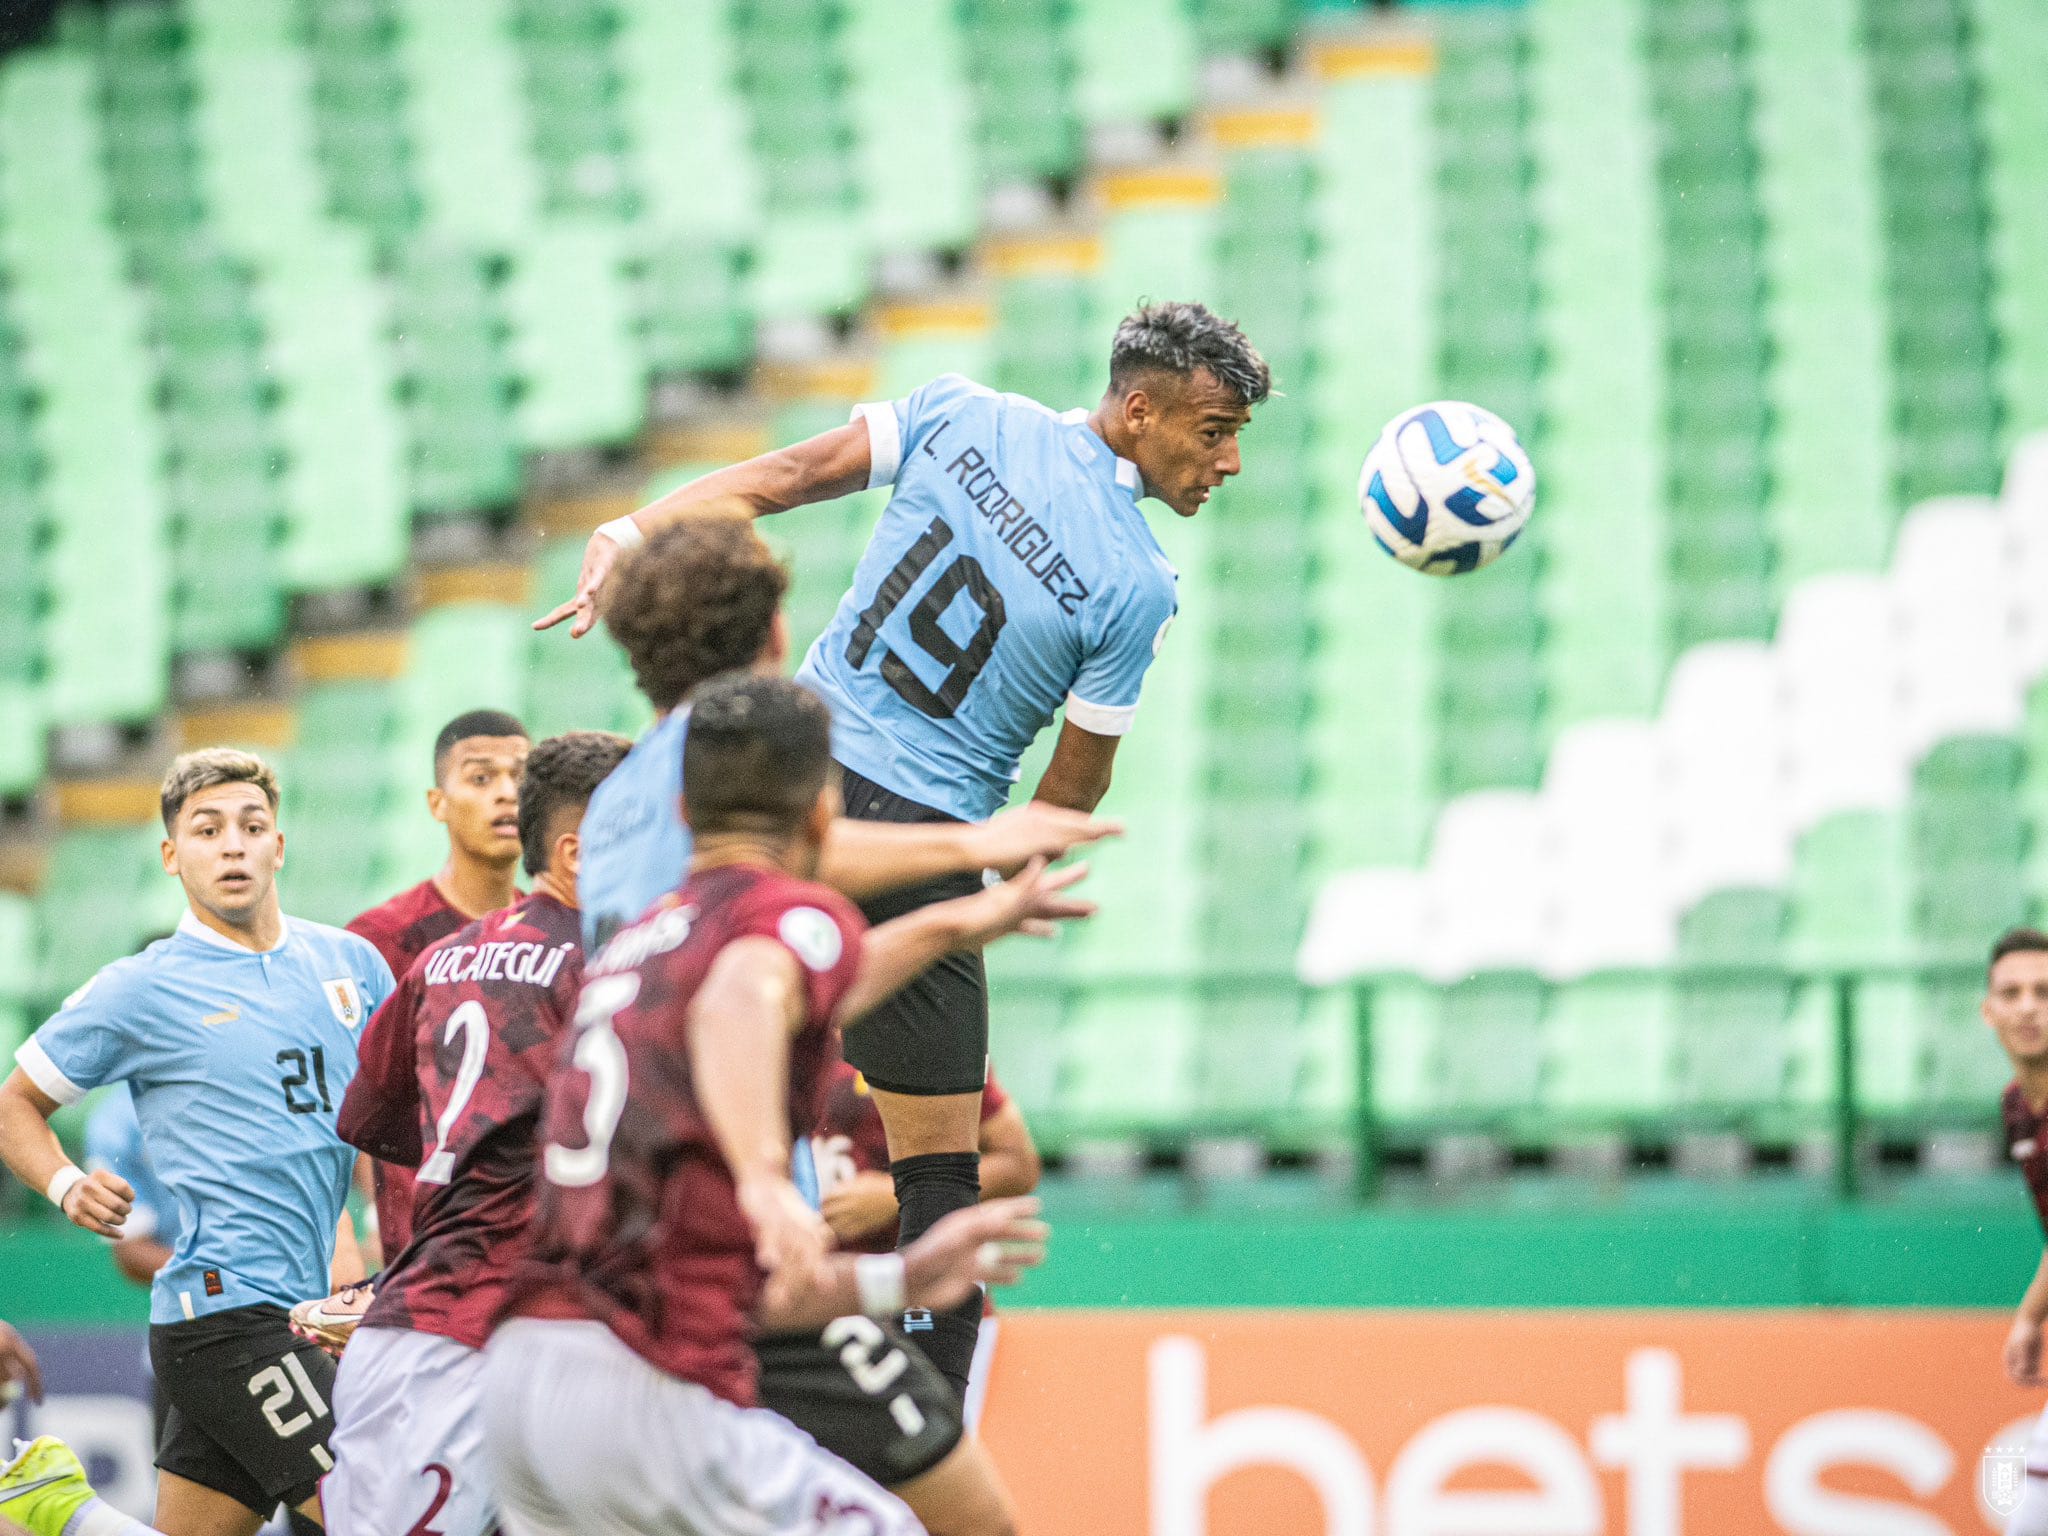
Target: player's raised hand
[[989, 1244], [1033, 901], [18, 1369], [599, 556], [100, 1202], [2023, 1353], [1010, 839]]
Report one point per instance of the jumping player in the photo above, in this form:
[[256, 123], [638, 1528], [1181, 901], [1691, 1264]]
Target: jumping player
[[450, 1084], [1011, 575], [619, 1397], [851, 1152], [704, 598], [2016, 1008], [478, 759], [237, 1036]]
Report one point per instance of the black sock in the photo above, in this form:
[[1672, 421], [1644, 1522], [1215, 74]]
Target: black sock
[[928, 1189]]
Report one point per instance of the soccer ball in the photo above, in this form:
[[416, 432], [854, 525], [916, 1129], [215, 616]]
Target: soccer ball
[[1446, 488]]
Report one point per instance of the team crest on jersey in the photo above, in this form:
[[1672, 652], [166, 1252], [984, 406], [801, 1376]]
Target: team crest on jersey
[[345, 998], [813, 935], [2002, 1478]]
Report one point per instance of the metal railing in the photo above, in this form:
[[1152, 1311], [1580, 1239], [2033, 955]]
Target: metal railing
[[1847, 1120]]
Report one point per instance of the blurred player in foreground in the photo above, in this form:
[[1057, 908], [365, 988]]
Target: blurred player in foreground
[[450, 1084], [238, 1037], [405, 1436], [620, 1395], [859, 1198], [1012, 575], [2016, 1008], [478, 759]]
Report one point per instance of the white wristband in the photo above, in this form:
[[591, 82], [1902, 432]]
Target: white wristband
[[62, 1182], [879, 1278], [624, 532]]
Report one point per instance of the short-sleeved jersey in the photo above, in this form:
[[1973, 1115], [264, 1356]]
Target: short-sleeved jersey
[[639, 1224], [237, 1061], [2026, 1142], [1012, 573], [402, 928], [453, 1068], [634, 845], [113, 1141], [849, 1139]]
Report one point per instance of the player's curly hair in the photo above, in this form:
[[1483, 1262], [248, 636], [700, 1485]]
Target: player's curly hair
[[207, 768], [562, 773], [1181, 338], [697, 599]]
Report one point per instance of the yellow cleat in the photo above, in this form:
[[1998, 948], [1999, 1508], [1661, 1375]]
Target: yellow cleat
[[43, 1487]]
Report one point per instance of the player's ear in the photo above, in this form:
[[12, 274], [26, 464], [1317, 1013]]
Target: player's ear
[[168, 852], [824, 811], [278, 863], [1138, 409], [568, 854], [775, 653], [437, 805]]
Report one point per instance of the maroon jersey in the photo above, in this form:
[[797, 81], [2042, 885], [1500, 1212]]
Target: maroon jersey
[[850, 1139], [640, 1225], [2026, 1140], [449, 1079], [402, 928]]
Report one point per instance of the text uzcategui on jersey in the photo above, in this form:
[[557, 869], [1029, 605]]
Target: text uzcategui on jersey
[[499, 960], [1019, 532]]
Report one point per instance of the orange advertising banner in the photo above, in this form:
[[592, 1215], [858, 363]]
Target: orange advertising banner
[[1331, 1423]]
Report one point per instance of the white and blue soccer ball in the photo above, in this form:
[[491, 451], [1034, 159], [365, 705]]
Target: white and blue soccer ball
[[1446, 488]]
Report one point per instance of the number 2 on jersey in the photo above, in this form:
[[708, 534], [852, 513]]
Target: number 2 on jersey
[[470, 1021], [963, 662], [600, 1054]]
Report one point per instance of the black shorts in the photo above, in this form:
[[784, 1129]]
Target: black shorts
[[932, 1037], [251, 1406], [865, 1393]]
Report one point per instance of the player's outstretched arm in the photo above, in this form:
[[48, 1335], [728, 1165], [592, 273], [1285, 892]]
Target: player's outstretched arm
[[989, 1244], [865, 858], [2023, 1342], [98, 1202], [1033, 901], [820, 468]]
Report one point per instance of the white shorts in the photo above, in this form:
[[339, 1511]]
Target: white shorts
[[585, 1438], [408, 1442]]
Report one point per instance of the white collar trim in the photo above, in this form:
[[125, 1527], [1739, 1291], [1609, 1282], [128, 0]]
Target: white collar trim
[[192, 928], [1127, 474]]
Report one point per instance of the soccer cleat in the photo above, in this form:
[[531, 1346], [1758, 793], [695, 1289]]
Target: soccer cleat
[[43, 1487], [331, 1321]]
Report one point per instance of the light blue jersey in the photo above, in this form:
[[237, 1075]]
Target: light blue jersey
[[113, 1141], [634, 843], [635, 846], [1012, 573], [238, 1062]]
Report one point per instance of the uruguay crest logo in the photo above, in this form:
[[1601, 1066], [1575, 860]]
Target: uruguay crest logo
[[2003, 1478], [345, 999]]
